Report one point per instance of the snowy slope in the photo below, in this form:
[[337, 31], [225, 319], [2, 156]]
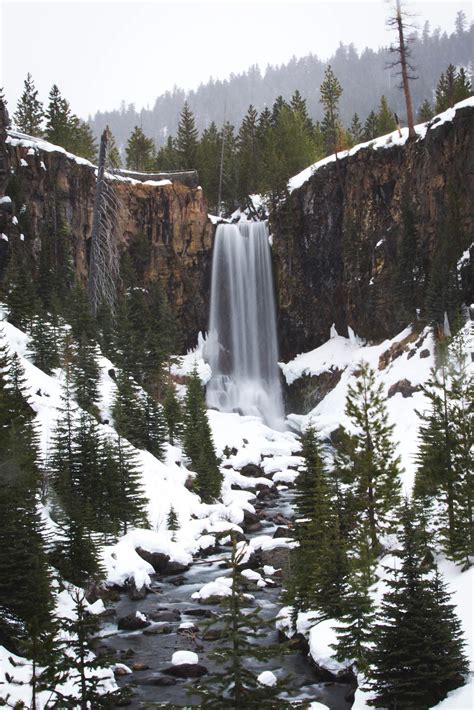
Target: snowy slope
[[388, 141]]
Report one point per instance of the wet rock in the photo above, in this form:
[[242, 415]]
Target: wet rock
[[158, 630], [305, 393], [252, 470], [265, 493], [204, 613], [127, 653], [280, 519], [404, 387], [132, 622], [283, 532], [299, 643], [140, 666], [186, 630], [424, 353], [213, 634], [161, 563], [135, 593], [239, 537], [107, 613], [186, 670], [121, 670], [165, 615], [279, 558], [161, 680], [251, 522], [178, 581]]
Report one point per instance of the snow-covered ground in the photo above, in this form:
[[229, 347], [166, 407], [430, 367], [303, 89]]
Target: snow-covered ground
[[391, 139]]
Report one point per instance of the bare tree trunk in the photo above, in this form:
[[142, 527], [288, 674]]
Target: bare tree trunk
[[93, 285], [404, 69]]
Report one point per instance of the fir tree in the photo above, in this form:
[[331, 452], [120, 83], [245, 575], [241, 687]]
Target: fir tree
[[418, 651], [356, 131], [43, 346], [82, 141], [29, 112], [453, 86], [385, 119], [248, 153], [85, 374], [167, 158], [187, 139], [370, 465], [58, 119], [114, 160], [370, 126], [425, 112], [172, 522], [20, 293], [140, 152], [331, 92], [80, 664], [127, 410], [173, 414], [154, 427], [236, 685], [197, 441]]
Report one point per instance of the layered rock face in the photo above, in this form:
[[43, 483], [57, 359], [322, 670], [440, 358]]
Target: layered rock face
[[352, 237], [57, 191]]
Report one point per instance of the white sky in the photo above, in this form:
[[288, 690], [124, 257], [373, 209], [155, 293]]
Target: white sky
[[101, 52]]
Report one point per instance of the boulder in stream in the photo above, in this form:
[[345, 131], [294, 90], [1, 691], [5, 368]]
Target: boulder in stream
[[133, 622], [161, 563], [186, 670]]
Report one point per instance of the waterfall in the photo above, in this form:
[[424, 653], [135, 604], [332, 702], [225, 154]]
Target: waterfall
[[242, 347]]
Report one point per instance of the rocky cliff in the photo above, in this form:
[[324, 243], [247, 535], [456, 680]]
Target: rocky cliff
[[371, 241], [53, 190]]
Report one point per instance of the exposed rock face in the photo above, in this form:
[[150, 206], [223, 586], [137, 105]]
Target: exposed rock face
[[338, 246], [58, 191]]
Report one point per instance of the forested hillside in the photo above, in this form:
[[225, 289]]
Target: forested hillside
[[363, 76]]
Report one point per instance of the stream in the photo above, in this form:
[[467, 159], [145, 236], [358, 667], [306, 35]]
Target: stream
[[172, 596]]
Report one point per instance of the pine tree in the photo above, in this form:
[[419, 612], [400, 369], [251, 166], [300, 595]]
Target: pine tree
[[187, 139], [172, 522], [29, 112], [140, 152], [82, 141], [58, 119], [25, 584], [197, 441], [173, 414], [127, 410], [114, 160], [236, 685], [356, 131], [370, 126], [43, 346], [248, 154], [19, 288], [167, 158], [331, 92], [453, 86], [319, 562], [425, 112], [418, 651], [79, 662], [385, 119], [371, 464], [154, 427], [85, 374]]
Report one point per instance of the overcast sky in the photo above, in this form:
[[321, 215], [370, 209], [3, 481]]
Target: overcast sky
[[102, 52]]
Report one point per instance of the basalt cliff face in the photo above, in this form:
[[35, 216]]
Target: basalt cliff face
[[54, 190], [363, 242]]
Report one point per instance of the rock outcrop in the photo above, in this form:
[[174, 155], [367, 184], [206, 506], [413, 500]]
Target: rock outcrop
[[56, 191], [349, 240]]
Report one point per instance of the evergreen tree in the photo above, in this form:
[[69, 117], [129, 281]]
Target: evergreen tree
[[298, 106], [173, 414], [453, 86], [154, 427], [425, 112], [370, 126], [140, 152], [19, 288], [126, 502], [85, 374], [114, 160], [319, 562], [58, 119], [197, 441], [444, 478], [127, 410], [418, 651], [371, 466], [25, 583], [167, 157], [331, 92], [187, 139], [78, 662], [356, 131], [248, 153], [172, 522], [236, 685], [82, 141], [209, 155], [385, 119], [29, 112], [43, 346]]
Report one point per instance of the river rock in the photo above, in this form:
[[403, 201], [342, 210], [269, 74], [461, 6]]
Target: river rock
[[279, 557], [161, 563], [135, 593], [266, 492], [283, 532], [133, 622], [161, 680], [205, 613], [159, 630], [186, 670], [251, 522], [252, 470], [165, 615], [140, 666]]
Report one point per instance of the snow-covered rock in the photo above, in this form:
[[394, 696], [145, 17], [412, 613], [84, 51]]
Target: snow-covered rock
[[180, 657]]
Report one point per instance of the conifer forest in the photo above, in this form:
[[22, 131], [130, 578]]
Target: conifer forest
[[237, 355]]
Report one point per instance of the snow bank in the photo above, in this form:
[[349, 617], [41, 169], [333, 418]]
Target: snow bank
[[387, 141], [321, 638], [220, 587], [267, 678]]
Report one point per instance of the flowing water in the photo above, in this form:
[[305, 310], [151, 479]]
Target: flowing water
[[242, 345]]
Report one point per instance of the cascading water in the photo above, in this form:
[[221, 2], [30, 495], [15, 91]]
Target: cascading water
[[242, 347]]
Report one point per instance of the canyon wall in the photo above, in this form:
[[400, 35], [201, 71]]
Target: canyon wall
[[361, 242], [52, 190]]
